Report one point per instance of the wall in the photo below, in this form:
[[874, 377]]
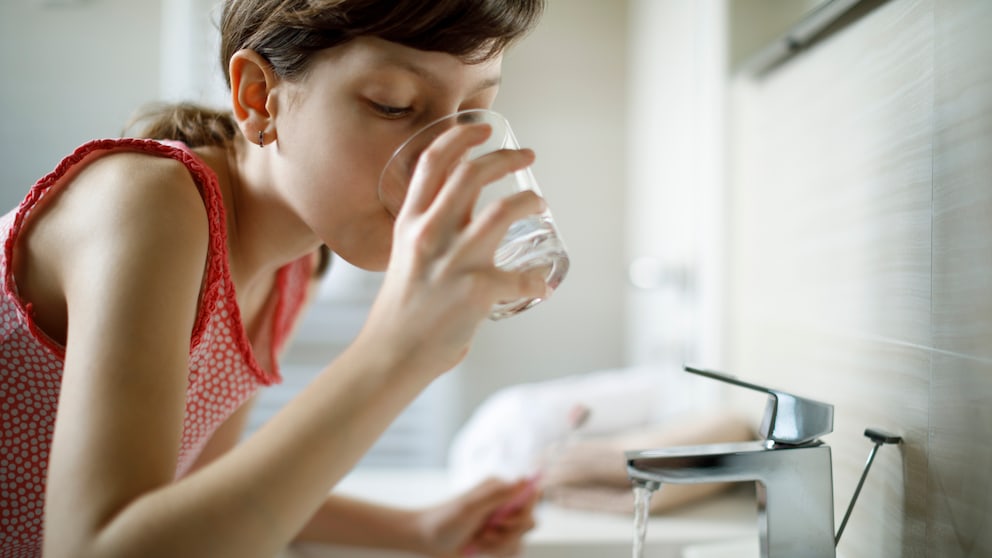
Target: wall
[[959, 482], [674, 244], [860, 219], [70, 73]]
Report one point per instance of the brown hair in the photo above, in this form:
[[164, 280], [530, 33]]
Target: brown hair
[[189, 123], [289, 32]]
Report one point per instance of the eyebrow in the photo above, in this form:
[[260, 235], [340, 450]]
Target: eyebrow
[[433, 80]]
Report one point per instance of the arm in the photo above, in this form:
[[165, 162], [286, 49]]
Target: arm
[[456, 527], [433, 531], [131, 272], [131, 278], [348, 521]]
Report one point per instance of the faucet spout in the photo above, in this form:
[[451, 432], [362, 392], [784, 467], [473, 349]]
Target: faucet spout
[[794, 485]]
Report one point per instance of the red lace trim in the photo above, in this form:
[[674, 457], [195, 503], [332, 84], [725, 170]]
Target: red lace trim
[[218, 273]]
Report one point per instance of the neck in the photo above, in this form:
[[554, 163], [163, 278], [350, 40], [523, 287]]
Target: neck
[[263, 231]]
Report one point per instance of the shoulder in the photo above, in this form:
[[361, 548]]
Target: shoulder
[[111, 230], [129, 211], [127, 180], [135, 193]]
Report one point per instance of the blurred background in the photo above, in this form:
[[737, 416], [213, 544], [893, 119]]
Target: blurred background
[[810, 210]]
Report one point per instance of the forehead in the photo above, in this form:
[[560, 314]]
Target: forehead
[[438, 69]]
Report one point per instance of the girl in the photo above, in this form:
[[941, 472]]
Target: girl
[[148, 285]]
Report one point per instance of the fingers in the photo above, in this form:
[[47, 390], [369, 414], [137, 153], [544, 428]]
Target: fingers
[[467, 178], [509, 515], [484, 234], [491, 493], [484, 499], [505, 539], [436, 162], [447, 184], [501, 286], [491, 224], [521, 499], [439, 245]]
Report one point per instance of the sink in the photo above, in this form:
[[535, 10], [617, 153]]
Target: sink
[[740, 548], [743, 548]]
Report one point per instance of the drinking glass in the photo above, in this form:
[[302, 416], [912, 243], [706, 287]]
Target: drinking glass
[[531, 243]]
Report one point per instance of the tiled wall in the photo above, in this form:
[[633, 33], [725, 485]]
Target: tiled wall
[[860, 238], [960, 457]]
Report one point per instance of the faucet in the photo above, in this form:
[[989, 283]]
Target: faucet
[[790, 465]]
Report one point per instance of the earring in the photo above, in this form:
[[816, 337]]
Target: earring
[[261, 138]]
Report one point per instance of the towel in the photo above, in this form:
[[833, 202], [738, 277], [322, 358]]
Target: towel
[[510, 431]]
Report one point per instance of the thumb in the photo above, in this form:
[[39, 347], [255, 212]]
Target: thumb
[[484, 503], [523, 495], [490, 494], [493, 501]]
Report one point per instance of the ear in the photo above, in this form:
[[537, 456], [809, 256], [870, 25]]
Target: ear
[[253, 101]]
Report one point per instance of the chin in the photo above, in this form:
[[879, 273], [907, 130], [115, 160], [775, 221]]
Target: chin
[[371, 259], [378, 266]]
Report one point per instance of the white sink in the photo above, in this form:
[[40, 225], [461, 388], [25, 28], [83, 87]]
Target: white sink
[[742, 548], [560, 533]]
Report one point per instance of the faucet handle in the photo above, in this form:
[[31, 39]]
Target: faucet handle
[[789, 419]]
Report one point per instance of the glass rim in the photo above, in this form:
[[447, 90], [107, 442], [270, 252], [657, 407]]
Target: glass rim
[[438, 120]]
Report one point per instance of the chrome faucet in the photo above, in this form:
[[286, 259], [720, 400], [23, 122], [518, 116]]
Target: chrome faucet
[[790, 465]]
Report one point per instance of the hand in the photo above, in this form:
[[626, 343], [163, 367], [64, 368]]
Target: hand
[[490, 519], [441, 280]]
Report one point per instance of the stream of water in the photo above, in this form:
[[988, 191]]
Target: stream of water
[[642, 508]]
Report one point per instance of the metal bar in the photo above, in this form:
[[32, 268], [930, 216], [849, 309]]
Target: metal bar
[[857, 491], [879, 437]]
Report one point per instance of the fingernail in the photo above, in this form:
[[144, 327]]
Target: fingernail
[[535, 282], [483, 128]]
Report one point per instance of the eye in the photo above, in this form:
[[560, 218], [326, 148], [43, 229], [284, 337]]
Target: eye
[[390, 111]]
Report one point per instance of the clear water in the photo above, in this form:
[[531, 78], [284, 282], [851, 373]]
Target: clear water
[[531, 243], [642, 508]]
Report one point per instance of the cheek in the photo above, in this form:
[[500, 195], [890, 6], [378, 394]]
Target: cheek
[[331, 168], [350, 171], [330, 163], [335, 191]]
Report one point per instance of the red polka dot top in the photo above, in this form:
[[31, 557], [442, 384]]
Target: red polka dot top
[[223, 371]]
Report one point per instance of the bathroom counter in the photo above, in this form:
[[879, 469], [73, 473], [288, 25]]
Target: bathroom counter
[[560, 532]]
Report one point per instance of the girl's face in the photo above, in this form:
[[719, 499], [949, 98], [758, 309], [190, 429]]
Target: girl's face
[[338, 126]]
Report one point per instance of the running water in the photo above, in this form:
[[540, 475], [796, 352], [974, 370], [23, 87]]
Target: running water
[[642, 507]]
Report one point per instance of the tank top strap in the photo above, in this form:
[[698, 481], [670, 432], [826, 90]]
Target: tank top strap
[[206, 182]]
